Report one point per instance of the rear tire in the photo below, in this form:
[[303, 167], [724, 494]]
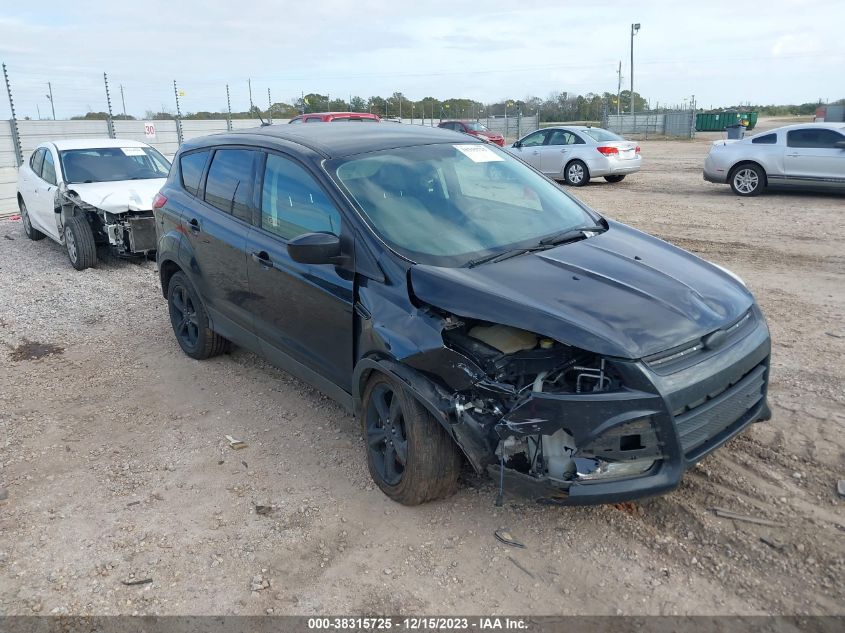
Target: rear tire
[[614, 178], [79, 242], [190, 320], [31, 233], [576, 174], [411, 457], [748, 179]]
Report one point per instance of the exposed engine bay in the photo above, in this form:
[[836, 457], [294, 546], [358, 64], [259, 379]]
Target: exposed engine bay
[[129, 233], [522, 370]]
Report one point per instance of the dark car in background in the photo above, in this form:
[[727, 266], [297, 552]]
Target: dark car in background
[[460, 316], [474, 128]]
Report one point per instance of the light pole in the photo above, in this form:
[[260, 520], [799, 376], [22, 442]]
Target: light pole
[[634, 29]]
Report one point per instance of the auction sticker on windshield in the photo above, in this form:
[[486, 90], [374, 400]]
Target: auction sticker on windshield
[[478, 153], [133, 151]]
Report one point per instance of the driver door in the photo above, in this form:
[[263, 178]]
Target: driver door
[[557, 151], [530, 147], [301, 312]]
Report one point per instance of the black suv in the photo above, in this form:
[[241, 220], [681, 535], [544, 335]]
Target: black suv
[[462, 306]]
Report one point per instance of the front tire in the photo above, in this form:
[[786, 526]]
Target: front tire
[[617, 178], [32, 233], [576, 174], [79, 242], [190, 320], [411, 457], [748, 180]]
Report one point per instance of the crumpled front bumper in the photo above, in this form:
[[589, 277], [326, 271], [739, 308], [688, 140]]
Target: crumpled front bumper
[[728, 390]]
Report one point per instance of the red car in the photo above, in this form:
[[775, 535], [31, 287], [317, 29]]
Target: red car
[[474, 128], [326, 117]]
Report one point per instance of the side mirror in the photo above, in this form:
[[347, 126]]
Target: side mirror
[[315, 248], [840, 144], [518, 144]]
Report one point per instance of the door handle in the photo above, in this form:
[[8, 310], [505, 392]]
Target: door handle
[[194, 225], [535, 152], [263, 258], [793, 155]]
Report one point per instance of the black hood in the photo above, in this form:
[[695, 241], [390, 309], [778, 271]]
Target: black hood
[[621, 293]]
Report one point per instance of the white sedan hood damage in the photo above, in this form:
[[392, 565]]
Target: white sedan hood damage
[[119, 196]]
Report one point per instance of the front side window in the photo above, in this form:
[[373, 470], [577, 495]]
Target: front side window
[[475, 126], [109, 164], [535, 139], [816, 138], [48, 171], [447, 204], [765, 139], [292, 203], [229, 183], [37, 161], [192, 166]]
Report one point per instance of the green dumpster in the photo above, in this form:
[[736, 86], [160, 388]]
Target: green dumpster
[[719, 121]]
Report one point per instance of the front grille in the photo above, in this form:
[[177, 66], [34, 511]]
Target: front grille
[[683, 356], [708, 419]]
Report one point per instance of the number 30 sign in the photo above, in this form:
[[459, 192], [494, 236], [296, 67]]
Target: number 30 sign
[[149, 130]]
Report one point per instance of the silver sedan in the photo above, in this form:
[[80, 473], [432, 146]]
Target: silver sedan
[[576, 153], [811, 156]]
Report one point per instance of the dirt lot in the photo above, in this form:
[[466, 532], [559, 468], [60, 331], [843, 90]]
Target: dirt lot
[[115, 465]]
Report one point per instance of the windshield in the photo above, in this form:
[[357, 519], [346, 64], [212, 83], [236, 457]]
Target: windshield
[[475, 126], [448, 205], [601, 135], [108, 164]]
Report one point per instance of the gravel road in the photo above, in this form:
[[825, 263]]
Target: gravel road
[[115, 468]]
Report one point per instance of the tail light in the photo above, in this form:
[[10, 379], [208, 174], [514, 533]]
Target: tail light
[[637, 150], [608, 151], [159, 201]]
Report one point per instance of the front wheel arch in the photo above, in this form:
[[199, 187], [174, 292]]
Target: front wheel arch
[[749, 163]]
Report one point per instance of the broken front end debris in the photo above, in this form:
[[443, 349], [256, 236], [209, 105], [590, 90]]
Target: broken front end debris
[[128, 231], [567, 426]]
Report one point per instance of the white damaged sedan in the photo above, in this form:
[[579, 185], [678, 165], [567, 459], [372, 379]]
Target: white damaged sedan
[[86, 193]]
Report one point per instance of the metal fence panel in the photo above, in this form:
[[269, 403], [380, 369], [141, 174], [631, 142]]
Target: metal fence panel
[[679, 123]]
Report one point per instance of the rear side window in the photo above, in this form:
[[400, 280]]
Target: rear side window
[[229, 183], [37, 161], [819, 138], [48, 171], [191, 166], [292, 203], [765, 139]]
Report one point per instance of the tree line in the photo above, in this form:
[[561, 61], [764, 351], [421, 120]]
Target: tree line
[[558, 106]]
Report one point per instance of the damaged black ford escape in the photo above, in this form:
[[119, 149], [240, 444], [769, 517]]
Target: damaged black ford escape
[[463, 306]]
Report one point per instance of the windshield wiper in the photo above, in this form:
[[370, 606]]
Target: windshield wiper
[[570, 235]]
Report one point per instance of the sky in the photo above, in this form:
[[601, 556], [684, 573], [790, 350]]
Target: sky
[[723, 52]]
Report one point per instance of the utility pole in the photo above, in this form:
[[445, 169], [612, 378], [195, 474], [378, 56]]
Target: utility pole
[[269, 107], [634, 29], [619, 89], [178, 114], [16, 139], [108, 102], [50, 97], [228, 110], [251, 105], [122, 100]]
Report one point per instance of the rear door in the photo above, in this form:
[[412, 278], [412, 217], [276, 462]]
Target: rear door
[[42, 208], [216, 224], [529, 149], [812, 158], [301, 311], [558, 150]]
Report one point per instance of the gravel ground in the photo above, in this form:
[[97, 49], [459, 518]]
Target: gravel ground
[[115, 469]]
